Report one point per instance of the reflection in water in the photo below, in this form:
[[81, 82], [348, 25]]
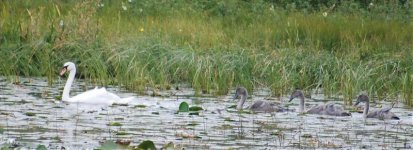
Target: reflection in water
[[57, 125]]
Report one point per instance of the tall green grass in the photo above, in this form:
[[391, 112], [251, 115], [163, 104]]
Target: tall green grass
[[215, 45]]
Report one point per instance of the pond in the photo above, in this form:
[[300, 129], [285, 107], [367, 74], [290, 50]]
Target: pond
[[30, 116]]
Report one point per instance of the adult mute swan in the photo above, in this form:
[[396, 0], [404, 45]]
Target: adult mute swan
[[328, 109], [383, 113], [95, 96], [257, 106]]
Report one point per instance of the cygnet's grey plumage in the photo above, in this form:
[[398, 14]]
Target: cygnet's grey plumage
[[257, 106], [330, 109], [383, 113]]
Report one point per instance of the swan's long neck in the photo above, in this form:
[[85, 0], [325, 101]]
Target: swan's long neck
[[366, 109], [301, 109], [241, 102], [68, 85]]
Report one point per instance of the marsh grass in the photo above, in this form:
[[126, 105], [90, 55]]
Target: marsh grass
[[214, 45]]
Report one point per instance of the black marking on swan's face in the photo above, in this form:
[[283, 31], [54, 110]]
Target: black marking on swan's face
[[361, 98], [295, 94], [63, 71], [240, 91]]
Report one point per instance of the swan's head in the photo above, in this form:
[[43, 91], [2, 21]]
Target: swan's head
[[361, 98], [296, 94], [67, 67], [240, 91]]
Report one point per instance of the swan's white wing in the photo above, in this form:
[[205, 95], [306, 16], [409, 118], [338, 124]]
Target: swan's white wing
[[95, 96]]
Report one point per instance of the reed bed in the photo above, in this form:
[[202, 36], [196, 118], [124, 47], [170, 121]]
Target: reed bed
[[342, 48]]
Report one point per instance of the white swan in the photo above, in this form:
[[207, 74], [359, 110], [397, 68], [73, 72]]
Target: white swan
[[95, 96]]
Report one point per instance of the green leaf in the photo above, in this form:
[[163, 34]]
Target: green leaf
[[183, 107], [195, 108], [41, 147], [30, 114], [108, 145], [147, 145], [5, 147], [114, 124]]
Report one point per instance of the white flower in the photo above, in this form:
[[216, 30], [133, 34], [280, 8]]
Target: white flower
[[371, 4], [101, 4], [272, 8], [325, 14], [130, 1], [124, 7], [140, 9]]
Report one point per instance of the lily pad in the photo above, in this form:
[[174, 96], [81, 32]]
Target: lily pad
[[58, 97], [194, 113], [41, 147], [233, 106], [108, 145], [147, 145], [306, 136], [114, 124], [183, 107], [122, 133], [30, 114], [195, 108], [140, 106]]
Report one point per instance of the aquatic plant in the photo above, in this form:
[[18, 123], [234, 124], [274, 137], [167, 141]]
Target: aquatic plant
[[340, 48]]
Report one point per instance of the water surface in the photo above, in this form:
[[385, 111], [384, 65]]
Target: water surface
[[57, 124]]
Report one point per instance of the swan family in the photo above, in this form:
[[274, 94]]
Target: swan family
[[329, 109], [102, 96]]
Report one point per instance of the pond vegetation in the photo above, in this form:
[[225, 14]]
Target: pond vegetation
[[339, 47]]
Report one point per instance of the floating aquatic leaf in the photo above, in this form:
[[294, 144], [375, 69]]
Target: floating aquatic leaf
[[5, 147], [58, 97], [140, 106], [155, 113], [194, 113], [183, 107], [306, 136], [233, 106], [108, 145], [114, 124], [147, 145], [195, 108], [30, 114], [121, 133], [41, 147]]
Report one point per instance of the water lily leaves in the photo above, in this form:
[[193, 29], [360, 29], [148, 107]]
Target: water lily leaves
[[58, 98], [195, 108], [114, 124], [5, 147], [147, 145], [183, 107], [30, 114], [41, 147], [108, 145]]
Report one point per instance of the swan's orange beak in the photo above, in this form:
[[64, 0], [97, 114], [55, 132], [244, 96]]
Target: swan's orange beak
[[63, 71]]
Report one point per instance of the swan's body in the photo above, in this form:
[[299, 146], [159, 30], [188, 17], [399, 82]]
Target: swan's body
[[383, 113], [330, 109], [257, 106], [95, 96]]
